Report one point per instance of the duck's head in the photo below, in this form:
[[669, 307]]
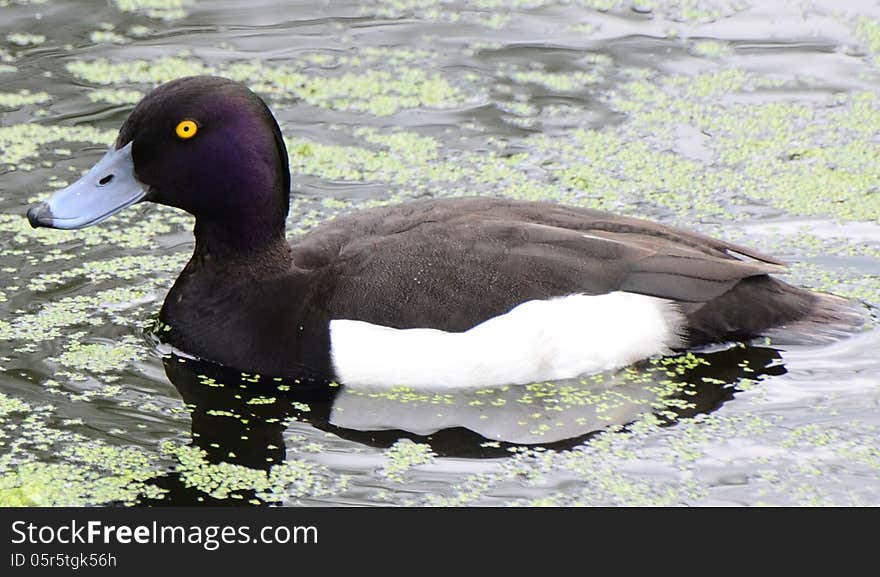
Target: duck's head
[[205, 144]]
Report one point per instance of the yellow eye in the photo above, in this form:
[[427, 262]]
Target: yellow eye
[[186, 129]]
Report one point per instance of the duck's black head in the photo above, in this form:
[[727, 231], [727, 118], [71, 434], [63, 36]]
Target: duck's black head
[[204, 144]]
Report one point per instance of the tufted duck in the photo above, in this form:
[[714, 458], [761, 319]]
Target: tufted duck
[[451, 292]]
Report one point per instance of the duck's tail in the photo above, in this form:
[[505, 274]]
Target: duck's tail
[[829, 319], [763, 306]]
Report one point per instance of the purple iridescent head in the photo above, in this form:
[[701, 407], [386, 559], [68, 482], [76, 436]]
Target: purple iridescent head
[[204, 144]]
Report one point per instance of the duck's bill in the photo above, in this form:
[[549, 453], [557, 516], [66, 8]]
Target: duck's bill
[[107, 188]]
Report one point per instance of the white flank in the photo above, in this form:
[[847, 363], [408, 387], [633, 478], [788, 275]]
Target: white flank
[[538, 340]]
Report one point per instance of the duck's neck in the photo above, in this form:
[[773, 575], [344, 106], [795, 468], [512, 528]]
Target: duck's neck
[[252, 250]]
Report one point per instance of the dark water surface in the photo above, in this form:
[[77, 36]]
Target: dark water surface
[[754, 121]]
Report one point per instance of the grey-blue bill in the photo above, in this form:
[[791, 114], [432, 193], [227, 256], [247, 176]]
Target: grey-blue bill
[[104, 190]]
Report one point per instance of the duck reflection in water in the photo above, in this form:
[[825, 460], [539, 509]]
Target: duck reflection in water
[[242, 419]]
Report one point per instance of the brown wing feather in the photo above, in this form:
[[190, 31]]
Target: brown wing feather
[[451, 264]]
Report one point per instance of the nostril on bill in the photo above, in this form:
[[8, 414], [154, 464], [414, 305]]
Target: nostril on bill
[[106, 180]]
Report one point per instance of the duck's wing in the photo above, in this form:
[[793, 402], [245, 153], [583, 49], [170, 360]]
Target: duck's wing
[[452, 269], [637, 261]]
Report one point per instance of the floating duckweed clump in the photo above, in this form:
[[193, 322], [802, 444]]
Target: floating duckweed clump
[[607, 168], [11, 405], [807, 244], [551, 411], [402, 158], [291, 479], [437, 11], [641, 465], [403, 456], [140, 31], [21, 142], [779, 473], [403, 394], [801, 158], [25, 39], [128, 230], [96, 309], [262, 401], [519, 109], [159, 9], [852, 284], [119, 268], [378, 92], [868, 31], [393, 56], [38, 484], [152, 72], [415, 166], [115, 96], [107, 37], [22, 98], [557, 81], [711, 48], [793, 481], [101, 357], [497, 14], [90, 472], [406, 146]]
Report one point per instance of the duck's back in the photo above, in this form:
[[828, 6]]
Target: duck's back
[[451, 264]]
